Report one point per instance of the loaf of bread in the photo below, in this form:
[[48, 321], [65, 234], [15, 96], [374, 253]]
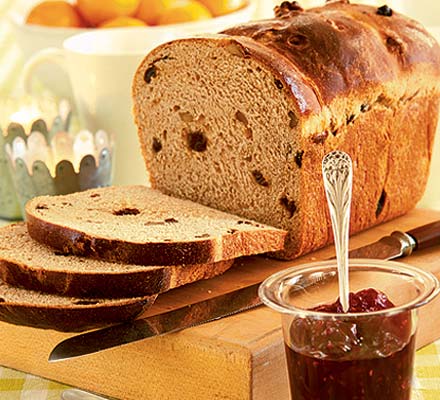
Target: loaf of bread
[[63, 313], [28, 264], [138, 225], [240, 121]]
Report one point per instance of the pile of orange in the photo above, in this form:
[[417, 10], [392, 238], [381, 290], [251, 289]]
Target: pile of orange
[[124, 13]]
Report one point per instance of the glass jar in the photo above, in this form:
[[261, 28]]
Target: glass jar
[[354, 355]]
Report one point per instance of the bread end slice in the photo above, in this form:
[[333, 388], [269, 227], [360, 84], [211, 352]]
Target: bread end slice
[[67, 314]]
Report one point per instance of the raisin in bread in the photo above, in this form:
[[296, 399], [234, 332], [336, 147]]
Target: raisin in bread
[[139, 225], [31, 265], [48, 311], [241, 121]]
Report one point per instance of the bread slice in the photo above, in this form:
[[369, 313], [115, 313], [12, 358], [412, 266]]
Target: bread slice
[[31, 265], [138, 225], [241, 121], [48, 311]]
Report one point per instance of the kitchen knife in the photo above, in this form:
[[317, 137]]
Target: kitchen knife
[[190, 315], [401, 244], [398, 244]]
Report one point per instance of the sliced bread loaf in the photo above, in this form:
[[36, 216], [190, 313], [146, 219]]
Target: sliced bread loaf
[[31, 265], [245, 122], [48, 311], [138, 225]]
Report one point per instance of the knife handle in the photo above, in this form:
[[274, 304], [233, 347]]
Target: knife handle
[[426, 235]]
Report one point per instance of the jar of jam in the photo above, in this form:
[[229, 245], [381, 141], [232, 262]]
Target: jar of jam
[[366, 353]]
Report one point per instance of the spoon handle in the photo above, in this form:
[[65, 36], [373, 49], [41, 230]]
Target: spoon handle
[[338, 177]]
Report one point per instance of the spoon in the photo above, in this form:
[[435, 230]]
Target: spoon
[[77, 394], [338, 177]]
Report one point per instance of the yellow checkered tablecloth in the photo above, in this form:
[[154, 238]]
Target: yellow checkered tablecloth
[[16, 385], [427, 373]]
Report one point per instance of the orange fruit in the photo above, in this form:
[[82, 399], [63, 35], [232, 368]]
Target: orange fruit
[[98, 11], [150, 10], [189, 11], [55, 13], [222, 7], [122, 22]]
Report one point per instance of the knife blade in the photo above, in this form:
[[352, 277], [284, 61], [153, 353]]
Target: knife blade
[[398, 244], [188, 316]]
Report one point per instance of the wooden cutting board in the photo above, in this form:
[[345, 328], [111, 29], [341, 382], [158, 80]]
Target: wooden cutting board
[[240, 357]]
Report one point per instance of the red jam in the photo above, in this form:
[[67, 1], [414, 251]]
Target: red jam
[[369, 358]]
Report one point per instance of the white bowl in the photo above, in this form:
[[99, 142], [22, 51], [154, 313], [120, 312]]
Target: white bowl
[[34, 38]]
